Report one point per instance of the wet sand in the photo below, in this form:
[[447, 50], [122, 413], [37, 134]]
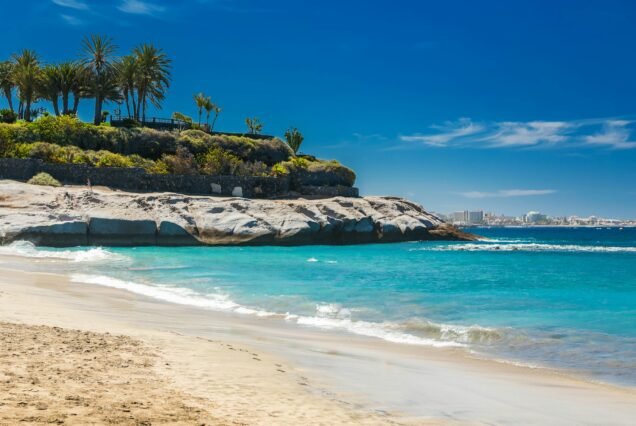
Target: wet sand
[[242, 370]]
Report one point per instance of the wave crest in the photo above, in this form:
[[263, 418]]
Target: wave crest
[[532, 247], [30, 250]]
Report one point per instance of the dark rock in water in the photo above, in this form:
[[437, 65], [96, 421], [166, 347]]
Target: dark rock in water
[[72, 216]]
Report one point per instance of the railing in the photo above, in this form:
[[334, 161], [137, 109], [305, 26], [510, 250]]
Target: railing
[[173, 124]]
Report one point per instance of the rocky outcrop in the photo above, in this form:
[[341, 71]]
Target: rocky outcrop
[[70, 216]]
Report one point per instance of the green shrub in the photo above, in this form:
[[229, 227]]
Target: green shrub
[[182, 163], [8, 116], [218, 162], [44, 179], [195, 141], [257, 168], [109, 159], [279, 169]]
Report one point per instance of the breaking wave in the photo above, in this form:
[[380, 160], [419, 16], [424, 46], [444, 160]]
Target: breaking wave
[[28, 249], [327, 316], [530, 247]]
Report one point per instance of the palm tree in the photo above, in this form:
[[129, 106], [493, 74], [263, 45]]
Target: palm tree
[[209, 107], [217, 111], [98, 58], [70, 78], [78, 86], [6, 82], [104, 88], [153, 76], [254, 125], [201, 100], [51, 86], [27, 77], [127, 81]]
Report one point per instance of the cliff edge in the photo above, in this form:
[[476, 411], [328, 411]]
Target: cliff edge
[[72, 216]]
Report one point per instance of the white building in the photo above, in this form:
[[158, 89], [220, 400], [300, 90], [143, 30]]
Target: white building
[[535, 217]]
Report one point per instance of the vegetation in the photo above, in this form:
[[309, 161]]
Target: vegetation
[[44, 179], [138, 80], [67, 140], [294, 139], [254, 125]]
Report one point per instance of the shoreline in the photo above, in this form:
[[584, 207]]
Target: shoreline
[[409, 382]]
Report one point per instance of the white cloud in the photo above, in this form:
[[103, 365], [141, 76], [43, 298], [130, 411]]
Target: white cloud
[[507, 193], [73, 4], [528, 133], [615, 134], [608, 133], [448, 132], [72, 20], [139, 7]]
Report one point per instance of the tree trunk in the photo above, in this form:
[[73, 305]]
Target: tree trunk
[[27, 110], [76, 100], [56, 106], [135, 115], [65, 103], [98, 111], [7, 93], [214, 122], [127, 103]]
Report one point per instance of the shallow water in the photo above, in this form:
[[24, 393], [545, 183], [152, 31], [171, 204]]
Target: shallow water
[[558, 297]]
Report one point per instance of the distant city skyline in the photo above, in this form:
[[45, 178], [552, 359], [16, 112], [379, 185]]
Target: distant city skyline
[[511, 106]]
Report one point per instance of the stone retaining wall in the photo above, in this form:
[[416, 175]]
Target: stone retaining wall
[[135, 179]]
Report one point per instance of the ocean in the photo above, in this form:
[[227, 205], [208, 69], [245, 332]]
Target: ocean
[[554, 297]]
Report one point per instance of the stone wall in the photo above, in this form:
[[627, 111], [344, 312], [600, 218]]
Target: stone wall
[[134, 179]]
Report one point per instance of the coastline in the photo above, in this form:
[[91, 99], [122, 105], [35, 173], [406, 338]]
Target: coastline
[[414, 384]]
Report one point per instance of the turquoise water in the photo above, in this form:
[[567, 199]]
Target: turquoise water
[[557, 297]]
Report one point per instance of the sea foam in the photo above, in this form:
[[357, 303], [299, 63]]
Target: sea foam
[[28, 249], [530, 247], [328, 316]]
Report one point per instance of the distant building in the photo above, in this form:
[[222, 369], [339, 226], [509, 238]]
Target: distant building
[[476, 217], [535, 217], [467, 217]]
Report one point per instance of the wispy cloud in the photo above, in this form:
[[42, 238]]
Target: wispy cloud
[[608, 133], [615, 134], [72, 20], [527, 134], [447, 132], [138, 7], [73, 4], [507, 193]]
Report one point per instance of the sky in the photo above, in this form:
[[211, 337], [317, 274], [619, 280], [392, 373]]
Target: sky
[[505, 106]]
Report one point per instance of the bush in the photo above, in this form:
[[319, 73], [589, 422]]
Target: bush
[[44, 179], [109, 159], [8, 116], [316, 173], [218, 162], [279, 170], [130, 123], [195, 141], [182, 163]]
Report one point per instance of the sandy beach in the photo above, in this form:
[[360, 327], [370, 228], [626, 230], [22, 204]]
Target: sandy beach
[[76, 353]]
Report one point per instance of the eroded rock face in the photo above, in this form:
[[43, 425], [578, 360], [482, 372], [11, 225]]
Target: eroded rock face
[[72, 216]]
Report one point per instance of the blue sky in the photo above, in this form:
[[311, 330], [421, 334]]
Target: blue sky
[[497, 105]]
